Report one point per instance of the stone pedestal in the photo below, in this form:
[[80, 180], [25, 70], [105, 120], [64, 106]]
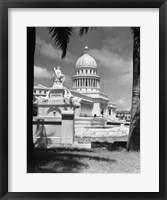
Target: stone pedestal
[[67, 131]]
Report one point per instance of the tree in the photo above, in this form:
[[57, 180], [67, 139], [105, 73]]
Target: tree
[[133, 142], [30, 72]]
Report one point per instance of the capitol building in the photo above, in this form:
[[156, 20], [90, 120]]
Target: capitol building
[[86, 86]]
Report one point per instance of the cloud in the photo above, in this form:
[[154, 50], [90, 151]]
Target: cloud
[[50, 52], [40, 72], [67, 78], [121, 46], [112, 61], [121, 101]]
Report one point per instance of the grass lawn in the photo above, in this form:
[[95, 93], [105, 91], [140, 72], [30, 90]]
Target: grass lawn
[[98, 160]]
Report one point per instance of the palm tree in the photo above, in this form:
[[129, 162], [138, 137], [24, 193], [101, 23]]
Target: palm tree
[[30, 73], [134, 131]]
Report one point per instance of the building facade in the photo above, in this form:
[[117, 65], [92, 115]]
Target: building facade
[[124, 115]]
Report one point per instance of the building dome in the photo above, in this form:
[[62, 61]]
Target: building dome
[[86, 60]]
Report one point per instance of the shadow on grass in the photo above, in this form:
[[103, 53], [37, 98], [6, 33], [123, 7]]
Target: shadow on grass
[[115, 146], [64, 160]]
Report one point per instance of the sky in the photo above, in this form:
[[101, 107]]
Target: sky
[[111, 47]]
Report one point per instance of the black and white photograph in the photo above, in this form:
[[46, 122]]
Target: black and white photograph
[[85, 100]]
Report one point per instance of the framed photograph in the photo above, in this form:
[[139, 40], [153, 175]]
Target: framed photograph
[[83, 99]]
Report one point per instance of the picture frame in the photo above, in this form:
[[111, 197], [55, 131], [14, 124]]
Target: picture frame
[[4, 179]]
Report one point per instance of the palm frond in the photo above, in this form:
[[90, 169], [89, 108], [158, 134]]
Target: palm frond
[[61, 37], [84, 30]]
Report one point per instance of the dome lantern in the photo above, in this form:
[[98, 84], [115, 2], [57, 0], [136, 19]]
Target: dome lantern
[[86, 50]]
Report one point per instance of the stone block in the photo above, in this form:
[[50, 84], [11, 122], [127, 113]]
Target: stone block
[[67, 134]]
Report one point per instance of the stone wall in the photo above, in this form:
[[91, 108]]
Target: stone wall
[[51, 131]]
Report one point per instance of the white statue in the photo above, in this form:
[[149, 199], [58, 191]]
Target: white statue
[[69, 98], [76, 101], [41, 99], [58, 77]]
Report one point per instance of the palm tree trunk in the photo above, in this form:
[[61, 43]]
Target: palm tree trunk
[[133, 142], [30, 83], [134, 132]]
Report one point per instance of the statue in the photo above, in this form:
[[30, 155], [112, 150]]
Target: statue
[[69, 98], [58, 77], [76, 101], [41, 99]]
